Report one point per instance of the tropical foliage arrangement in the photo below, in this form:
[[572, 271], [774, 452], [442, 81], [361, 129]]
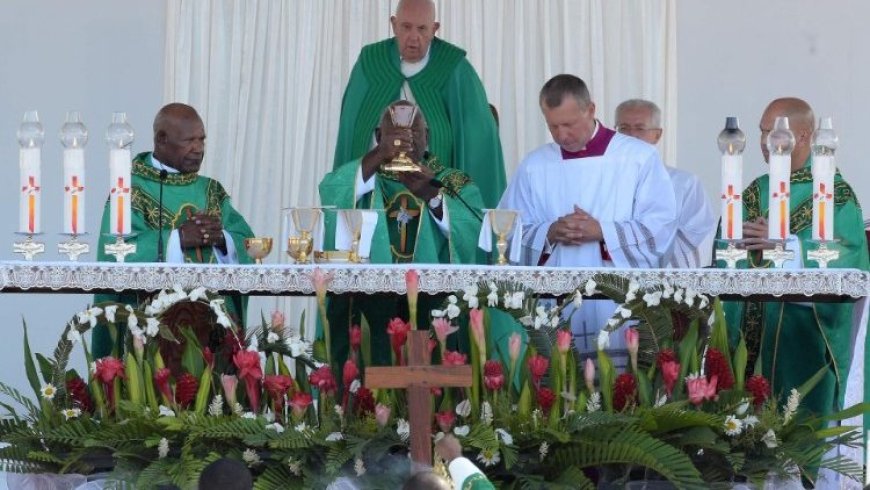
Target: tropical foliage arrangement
[[683, 410]]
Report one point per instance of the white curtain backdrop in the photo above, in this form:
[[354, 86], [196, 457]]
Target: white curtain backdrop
[[267, 76]]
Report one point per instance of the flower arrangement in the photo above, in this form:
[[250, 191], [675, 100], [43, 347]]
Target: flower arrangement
[[535, 413]]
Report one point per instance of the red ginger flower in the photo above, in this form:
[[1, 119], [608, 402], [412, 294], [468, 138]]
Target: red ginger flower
[[538, 365], [759, 387], [355, 335], [161, 379], [248, 363], [350, 373], [365, 401], [231, 345], [453, 358], [670, 373], [277, 385], [493, 375], [398, 332], [445, 420], [665, 355], [323, 380], [78, 391], [185, 389], [715, 364], [546, 398], [299, 402], [109, 368], [624, 391]]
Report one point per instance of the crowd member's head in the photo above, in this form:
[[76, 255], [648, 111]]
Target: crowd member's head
[[641, 119], [226, 474], [179, 138], [801, 121], [569, 111], [414, 26]]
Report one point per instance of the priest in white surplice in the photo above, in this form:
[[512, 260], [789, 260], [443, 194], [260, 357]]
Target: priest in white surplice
[[696, 224], [594, 198]]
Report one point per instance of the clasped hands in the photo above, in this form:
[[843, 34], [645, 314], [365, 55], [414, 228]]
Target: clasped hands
[[755, 235], [576, 228], [202, 230]]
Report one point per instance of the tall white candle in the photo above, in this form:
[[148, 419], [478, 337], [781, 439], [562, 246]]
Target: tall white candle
[[119, 191], [74, 191], [30, 190], [732, 206], [779, 192], [824, 169]]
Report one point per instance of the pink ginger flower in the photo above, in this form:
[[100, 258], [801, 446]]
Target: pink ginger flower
[[230, 382], [670, 373], [632, 342], [700, 388], [445, 420], [589, 375], [563, 340], [514, 345], [538, 365], [453, 358], [382, 415]]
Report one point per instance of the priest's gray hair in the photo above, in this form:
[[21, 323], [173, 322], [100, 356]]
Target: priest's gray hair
[[553, 92], [655, 114]]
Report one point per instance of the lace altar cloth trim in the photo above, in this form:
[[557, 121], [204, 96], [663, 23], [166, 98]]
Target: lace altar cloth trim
[[371, 278]]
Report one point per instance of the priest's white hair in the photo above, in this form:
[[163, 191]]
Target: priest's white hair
[[654, 111]]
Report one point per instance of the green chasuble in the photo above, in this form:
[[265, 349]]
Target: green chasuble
[[406, 232], [462, 130], [183, 195], [795, 340]]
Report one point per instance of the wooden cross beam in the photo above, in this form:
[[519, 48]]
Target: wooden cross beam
[[418, 377]]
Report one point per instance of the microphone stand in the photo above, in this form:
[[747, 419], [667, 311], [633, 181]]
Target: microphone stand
[[163, 174]]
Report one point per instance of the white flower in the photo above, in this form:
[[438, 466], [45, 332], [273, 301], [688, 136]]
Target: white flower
[[678, 296], [132, 320], [545, 448], [295, 466], [110, 312], [743, 407], [486, 413], [301, 427], [165, 411], [238, 409], [463, 409], [249, 415], [791, 406], [269, 416], [90, 316], [338, 410], [492, 297], [489, 457], [359, 467], [590, 287], [276, 427], [163, 448], [251, 457], [505, 436], [452, 310], [297, 346], [733, 426], [661, 401], [223, 320], [750, 421], [354, 386], [769, 439], [577, 300], [470, 295], [554, 321], [197, 294], [403, 429], [335, 437], [273, 338], [630, 296], [71, 413], [603, 340], [462, 430], [711, 320], [613, 323], [216, 407], [652, 299], [668, 291], [152, 326], [623, 312], [517, 299], [437, 313], [704, 301], [73, 335], [593, 404], [216, 305]]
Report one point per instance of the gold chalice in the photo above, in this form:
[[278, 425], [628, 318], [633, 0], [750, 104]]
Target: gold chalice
[[402, 116], [502, 223], [258, 248], [353, 218], [305, 220]]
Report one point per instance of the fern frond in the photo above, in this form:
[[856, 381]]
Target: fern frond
[[278, 478], [33, 412], [573, 477]]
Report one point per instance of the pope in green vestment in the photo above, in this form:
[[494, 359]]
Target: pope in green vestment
[[412, 227], [462, 130], [192, 204], [795, 340]]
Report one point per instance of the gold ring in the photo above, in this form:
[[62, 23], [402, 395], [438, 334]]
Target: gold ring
[[397, 142]]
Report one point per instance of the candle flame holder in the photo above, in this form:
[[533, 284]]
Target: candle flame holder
[[29, 248], [823, 254], [732, 253], [120, 249], [73, 248], [779, 255]]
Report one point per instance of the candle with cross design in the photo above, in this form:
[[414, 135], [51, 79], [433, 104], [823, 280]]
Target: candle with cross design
[[731, 142], [30, 138], [119, 137], [824, 167], [780, 143], [74, 137]]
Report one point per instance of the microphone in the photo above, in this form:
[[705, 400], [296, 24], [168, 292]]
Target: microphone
[[163, 174], [440, 185]]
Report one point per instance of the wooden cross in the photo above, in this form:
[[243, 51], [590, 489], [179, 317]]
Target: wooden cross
[[418, 377], [403, 215]]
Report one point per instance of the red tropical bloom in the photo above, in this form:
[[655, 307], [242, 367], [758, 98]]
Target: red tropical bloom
[[398, 332], [670, 373], [185, 389], [350, 373], [78, 391], [445, 420], [365, 401], [109, 368], [493, 375], [665, 355], [161, 379], [700, 388], [624, 391], [538, 365], [546, 398], [759, 387], [453, 358], [323, 380], [299, 402], [355, 335], [277, 386], [715, 364], [248, 363]]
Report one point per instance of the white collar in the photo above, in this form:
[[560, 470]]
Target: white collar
[[159, 166], [409, 69]]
